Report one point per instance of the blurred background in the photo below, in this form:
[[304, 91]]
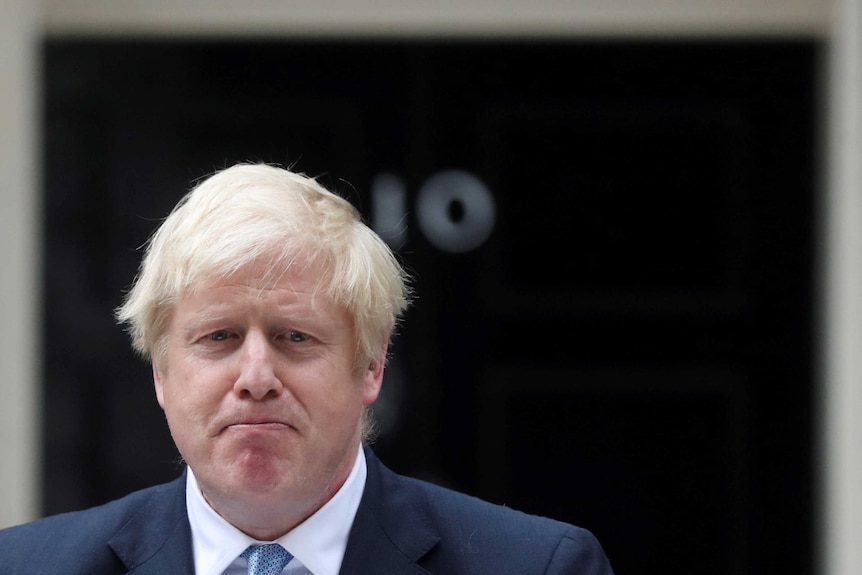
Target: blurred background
[[632, 226]]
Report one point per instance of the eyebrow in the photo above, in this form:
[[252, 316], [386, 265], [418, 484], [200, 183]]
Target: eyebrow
[[198, 321]]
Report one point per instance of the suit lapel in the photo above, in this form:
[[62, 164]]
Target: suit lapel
[[157, 540], [391, 532]]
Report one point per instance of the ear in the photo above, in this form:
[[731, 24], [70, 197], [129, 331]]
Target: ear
[[373, 378], [157, 382]]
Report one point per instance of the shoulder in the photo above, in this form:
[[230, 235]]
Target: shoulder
[[76, 535], [472, 531], [104, 518], [486, 525]]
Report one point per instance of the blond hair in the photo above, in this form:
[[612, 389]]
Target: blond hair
[[252, 212]]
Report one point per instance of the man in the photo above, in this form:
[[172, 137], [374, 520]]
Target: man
[[265, 307]]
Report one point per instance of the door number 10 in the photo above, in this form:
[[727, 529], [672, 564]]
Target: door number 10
[[454, 209]]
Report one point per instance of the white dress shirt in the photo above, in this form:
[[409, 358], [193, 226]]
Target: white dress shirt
[[317, 544]]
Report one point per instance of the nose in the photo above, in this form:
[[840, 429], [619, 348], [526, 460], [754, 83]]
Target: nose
[[257, 377]]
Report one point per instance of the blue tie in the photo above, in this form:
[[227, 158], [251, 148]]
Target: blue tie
[[267, 559]]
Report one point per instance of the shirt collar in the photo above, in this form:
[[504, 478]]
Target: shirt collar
[[318, 542]]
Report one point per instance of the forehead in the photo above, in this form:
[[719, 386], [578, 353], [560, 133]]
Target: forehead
[[261, 281], [263, 272]]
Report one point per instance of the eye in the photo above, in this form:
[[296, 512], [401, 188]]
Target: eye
[[219, 335], [296, 336]]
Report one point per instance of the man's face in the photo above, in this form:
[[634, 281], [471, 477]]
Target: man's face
[[262, 396]]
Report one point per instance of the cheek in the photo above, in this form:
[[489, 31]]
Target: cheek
[[188, 394], [189, 417], [326, 390]]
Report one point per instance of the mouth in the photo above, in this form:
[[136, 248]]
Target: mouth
[[258, 426], [270, 425]]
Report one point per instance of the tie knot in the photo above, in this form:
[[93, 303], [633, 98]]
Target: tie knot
[[268, 559]]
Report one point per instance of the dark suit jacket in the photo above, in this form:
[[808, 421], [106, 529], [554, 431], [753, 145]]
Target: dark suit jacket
[[403, 526]]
